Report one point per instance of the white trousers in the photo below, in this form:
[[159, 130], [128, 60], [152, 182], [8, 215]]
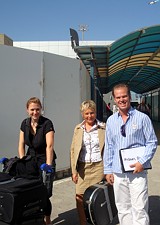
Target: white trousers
[[131, 197]]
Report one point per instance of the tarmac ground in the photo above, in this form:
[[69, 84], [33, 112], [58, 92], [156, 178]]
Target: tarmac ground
[[63, 199]]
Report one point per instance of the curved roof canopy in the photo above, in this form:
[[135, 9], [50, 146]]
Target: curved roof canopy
[[134, 59]]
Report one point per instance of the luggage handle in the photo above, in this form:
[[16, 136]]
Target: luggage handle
[[103, 181], [108, 203]]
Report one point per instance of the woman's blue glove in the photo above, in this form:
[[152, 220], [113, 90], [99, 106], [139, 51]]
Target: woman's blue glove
[[2, 160], [47, 168]]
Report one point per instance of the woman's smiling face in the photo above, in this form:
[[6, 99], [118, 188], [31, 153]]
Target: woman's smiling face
[[34, 111], [89, 116]]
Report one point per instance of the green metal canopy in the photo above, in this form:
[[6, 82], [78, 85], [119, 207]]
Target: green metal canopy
[[134, 59]]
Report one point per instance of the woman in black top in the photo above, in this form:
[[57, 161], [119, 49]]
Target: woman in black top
[[37, 132]]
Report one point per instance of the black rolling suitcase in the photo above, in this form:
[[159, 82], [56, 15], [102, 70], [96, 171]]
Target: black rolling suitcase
[[32, 221], [22, 202], [99, 204]]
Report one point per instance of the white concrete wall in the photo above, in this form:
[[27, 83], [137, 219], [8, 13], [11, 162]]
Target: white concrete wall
[[57, 47], [65, 80], [65, 87], [20, 74]]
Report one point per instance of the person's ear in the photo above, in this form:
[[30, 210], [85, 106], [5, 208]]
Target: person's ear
[[82, 114]]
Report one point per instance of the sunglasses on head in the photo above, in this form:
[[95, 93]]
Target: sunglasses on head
[[123, 132]]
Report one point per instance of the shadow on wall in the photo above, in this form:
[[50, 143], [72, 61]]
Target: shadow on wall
[[154, 210]]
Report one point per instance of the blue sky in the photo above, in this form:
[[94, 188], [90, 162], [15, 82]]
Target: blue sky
[[50, 20]]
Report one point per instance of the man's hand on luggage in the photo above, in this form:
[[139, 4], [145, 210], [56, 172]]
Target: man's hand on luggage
[[110, 178]]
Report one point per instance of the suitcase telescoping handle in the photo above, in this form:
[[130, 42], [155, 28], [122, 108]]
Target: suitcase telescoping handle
[[48, 176], [46, 170]]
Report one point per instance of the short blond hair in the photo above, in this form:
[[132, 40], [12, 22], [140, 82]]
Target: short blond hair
[[89, 104]]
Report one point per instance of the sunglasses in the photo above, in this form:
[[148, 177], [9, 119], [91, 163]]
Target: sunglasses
[[123, 132]]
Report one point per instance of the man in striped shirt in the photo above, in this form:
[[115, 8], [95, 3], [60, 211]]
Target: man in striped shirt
[[129, 128]]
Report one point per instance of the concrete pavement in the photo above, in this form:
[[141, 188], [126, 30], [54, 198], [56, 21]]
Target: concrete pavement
[[63, 199]]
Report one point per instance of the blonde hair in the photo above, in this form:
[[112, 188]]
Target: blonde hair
[[89, 104], [33, 100]]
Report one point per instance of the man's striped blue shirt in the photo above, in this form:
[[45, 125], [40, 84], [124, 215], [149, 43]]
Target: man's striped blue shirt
[[139, 132]]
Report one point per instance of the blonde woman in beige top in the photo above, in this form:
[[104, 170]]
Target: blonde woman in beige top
[[86, 154]]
